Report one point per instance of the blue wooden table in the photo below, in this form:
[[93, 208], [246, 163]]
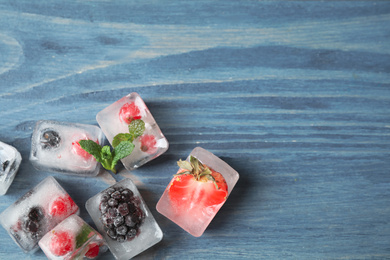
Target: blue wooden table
[[294, 95]]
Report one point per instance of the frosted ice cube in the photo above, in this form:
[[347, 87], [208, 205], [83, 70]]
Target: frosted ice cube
[[54, 147], [122, 217], [193, 219], [73, 238], [115, 119], [10, 160], [29, 218]]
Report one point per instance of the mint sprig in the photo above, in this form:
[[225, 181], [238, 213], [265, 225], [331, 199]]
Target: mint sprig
[[122, 143], [136, 129]]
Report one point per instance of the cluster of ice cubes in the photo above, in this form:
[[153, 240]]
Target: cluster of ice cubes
[[119, 212]]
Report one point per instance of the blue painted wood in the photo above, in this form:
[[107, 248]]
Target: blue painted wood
[[294, 95]]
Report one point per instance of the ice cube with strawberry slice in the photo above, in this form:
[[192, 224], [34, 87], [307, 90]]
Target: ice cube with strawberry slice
[[73, 238], [197, 191]]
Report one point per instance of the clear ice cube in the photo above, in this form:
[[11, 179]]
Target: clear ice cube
[[29, 218], [73, 238], [10, 160], [195, 220], [55, 148], [115, 119], [122, 217]]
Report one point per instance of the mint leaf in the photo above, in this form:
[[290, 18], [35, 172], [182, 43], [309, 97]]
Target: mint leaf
[[122, 150], [119, 138], [92, 148], [85, 233], [136, 128]]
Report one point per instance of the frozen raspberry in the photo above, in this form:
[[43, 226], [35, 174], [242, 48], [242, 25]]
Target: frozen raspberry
[[129, 112], [61, 243], [93, 251], [62, 206], [148, 144]]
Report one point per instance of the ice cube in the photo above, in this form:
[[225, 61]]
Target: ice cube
[[185, 205], [10, 160], [73, 238], [115, 119], [55, 147], [35, 213], [122, 217]]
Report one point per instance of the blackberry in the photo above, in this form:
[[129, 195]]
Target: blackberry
[[35, 214], [121, 230], [121, 214], [30, 226], [50, 139]]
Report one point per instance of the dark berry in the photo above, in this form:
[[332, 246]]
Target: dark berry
[[126, 195], [50, 139], [132, 207], [112, 233], [121, 230], [35, 214], [107, 221], [116, 195], [110, 190], [31, 226], [121, 239], [118, 221], [129, 222], [132, 232], [123, 209], [103, 207], [104, 197], [112, 212], [112, 202]]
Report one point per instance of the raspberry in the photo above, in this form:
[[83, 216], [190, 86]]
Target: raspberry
[[148, 144], [129, 112], [93, 251], [61, 243], [76, 148], [62, 206]]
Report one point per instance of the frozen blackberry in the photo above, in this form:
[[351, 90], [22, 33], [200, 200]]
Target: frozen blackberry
[[50, 139], [30, 226], [121, 213], [121, 230], [35, 214]]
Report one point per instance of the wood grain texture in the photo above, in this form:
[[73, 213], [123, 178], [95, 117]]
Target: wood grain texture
[[294, 95]]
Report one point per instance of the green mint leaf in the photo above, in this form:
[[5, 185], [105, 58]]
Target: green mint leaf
[[122, 150], [92, 148], [136, 128], [85, 233], [185, 165], [119, 138], [106, 152]]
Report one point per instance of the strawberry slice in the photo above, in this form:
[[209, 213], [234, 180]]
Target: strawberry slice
[[61, 243], [129, 112], [197, 187]]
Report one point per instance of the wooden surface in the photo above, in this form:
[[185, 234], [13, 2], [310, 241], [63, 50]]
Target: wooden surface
[[294, 95]]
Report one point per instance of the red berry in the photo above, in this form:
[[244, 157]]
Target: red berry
[[148, 144], [61, 243], [129, 112], [93, 251], [62, 206]]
